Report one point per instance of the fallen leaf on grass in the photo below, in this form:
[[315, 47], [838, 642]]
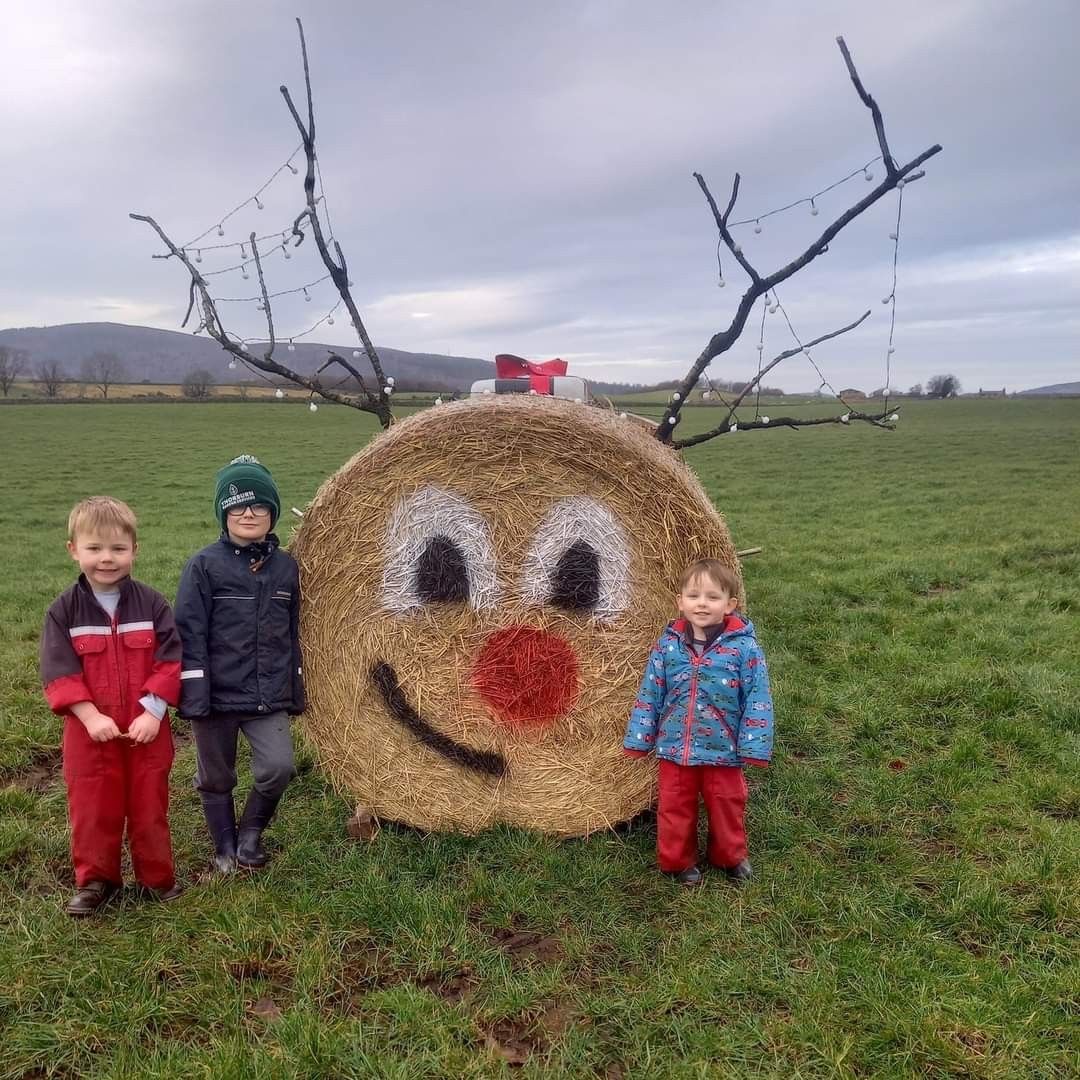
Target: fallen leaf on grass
[[897, 764], [267, 1009], [362, 826]]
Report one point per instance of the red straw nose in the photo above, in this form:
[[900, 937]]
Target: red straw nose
[[528, 676]]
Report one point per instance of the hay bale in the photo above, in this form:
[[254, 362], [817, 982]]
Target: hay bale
[[482, 585]]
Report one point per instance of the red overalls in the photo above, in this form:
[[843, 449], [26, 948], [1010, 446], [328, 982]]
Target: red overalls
[[113, 663]]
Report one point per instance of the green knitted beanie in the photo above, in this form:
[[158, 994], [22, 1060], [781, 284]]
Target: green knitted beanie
[[243, 481]]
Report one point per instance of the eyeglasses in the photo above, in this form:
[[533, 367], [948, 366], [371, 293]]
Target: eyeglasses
[[259, 510]]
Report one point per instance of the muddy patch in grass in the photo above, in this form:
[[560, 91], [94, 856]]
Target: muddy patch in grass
[[516, 1039], [40, 775]]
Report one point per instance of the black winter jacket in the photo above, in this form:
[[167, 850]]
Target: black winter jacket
[[239, 622]]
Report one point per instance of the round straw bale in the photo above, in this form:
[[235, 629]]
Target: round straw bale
[[481, 588]]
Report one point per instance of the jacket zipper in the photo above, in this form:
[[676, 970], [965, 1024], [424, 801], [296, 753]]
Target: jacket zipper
[[695, 660]]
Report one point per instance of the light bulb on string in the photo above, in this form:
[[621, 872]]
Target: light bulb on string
[[279, 393], [307, 295], [772, 309], [676, 397], [356, 354], [734, 427], [765, 421], [232, 365], [737, 249], [292, 347], [757, 226], [258, 202], [706, 394], [313, 407], [292, 168], [672, 420], [886, 299], [243, 252], [721, 283], [243, 272], [845, 418], [351, 285], [198, 255], [900, 183], [867, 175], [390, 380], [285, 251], [438, 401], [813, 208], [221, 230], [330, 320], [894, 418], [387, 390], [892, 236]]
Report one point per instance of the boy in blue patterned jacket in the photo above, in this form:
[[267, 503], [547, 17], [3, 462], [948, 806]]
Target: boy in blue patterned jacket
[[704, 707]]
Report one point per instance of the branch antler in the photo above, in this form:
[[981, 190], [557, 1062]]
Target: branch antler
[[373, 401], [723, 340]]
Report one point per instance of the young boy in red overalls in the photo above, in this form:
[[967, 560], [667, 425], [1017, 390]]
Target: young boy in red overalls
[[110, 663], [705, 709]]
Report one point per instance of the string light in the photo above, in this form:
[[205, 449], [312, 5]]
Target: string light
[[757, 219], [765, 420], [390, 380], [292, 168], [438, 401], [706, 394], [198, 255], [307, 295], [232, 365], [356, 354], [279, 393], [287, 164], [329, 320], [292, 347], [313, 407], [845, 418], [676, 396], [734, 427]]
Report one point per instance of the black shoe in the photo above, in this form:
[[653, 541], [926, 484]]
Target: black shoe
[[89, 898], [690, 876], [221, 821], [164, 896], [258, 812], [740, 872]]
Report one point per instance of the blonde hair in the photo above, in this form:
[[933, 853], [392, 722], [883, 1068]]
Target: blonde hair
[[101, 512], [720, 574]]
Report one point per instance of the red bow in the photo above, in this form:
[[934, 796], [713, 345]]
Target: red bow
[[538, 374]]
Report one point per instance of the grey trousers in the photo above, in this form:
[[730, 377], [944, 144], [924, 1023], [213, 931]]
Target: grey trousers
[[216, 738]]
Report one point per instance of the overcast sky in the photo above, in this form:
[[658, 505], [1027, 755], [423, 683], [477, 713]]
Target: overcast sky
[[511, 176]]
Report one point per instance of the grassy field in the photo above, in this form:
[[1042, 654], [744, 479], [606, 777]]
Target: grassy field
[[917, 901]]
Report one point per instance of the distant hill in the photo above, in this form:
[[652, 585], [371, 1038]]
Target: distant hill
[[166, 356], [1059, 388]]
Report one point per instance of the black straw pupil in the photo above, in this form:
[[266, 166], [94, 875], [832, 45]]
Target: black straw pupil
[[576, 583], [440, 572]]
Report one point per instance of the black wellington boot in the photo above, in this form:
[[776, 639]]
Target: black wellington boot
[[258, 810], [221, 820]]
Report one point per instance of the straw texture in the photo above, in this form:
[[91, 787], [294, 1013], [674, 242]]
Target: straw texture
[[481, 588]]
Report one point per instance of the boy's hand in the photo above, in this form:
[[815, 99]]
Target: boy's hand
[[99, 727], [144, 728]]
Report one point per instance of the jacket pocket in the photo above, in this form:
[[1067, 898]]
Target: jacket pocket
[[88, 644]]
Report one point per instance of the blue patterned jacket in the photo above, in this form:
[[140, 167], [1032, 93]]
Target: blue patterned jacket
[[713, 709]]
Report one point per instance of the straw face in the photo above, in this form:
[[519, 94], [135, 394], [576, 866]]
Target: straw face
[[481, 588]]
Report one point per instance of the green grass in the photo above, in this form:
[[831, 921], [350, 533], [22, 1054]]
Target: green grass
[[917, 848]]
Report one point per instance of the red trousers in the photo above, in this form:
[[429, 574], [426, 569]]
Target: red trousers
[[111, 784], [723, 788]]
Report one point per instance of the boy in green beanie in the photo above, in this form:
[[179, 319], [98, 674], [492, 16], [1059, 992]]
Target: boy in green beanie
[[237, 610]]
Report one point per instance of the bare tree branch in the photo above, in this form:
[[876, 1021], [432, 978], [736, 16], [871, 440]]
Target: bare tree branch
[[376, 402], [721, 224], [881, 420], [871, 104], [723, 340], [786, 354]]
